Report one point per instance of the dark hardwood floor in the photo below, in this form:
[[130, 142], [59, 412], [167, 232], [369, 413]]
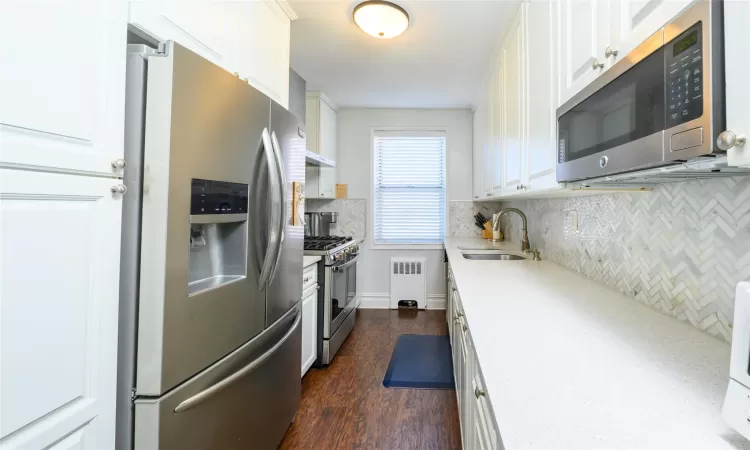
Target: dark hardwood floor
[[345, 405]]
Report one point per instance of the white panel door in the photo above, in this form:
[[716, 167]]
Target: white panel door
[[541, 94], [202, 26], [59, 288], [633, 21], [736, 20], [494, 171], [62, 84], [513, 110], [328, 138], [309, 329], [480, 150], [584, 33]]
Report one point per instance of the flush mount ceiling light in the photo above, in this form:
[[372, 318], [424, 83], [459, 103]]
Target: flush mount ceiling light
[[381, 19]]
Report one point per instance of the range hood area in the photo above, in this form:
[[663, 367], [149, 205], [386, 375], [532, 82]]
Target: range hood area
[[314, 159]]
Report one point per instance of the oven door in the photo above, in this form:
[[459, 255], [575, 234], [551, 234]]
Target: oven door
[[616, 124], [342, 295]]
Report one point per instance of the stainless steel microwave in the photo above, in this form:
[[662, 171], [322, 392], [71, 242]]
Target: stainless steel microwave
[[661, 104]]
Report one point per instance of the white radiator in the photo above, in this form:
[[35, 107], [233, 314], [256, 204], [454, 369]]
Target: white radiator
[[408, 281]]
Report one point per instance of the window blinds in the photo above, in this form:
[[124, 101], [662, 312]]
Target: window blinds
[[409, 205]]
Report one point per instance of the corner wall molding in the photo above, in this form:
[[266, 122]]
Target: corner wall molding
[[287, 8]]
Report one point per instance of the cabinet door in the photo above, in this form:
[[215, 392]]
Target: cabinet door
[[633, 21], [541, 94], [481, 137], [263, 49], [203, 26], [584, 33], [513, 110], [494, 173], [736, 20], [62, 84], [59, 292], [327, 139], [466, 412], [309, 328]]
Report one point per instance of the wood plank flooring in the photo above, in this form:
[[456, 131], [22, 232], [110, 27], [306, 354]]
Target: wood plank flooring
[[345, 405]]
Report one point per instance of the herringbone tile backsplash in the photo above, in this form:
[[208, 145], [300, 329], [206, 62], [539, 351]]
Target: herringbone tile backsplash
[[681, 248]]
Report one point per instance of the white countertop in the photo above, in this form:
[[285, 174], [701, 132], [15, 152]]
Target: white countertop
[[571, 364], [307, 260]]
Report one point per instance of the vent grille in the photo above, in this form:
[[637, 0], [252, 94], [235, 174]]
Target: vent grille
[[407, 268]]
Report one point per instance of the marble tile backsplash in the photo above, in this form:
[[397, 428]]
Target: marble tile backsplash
[[352, 219], [461, 217], [681, 248]]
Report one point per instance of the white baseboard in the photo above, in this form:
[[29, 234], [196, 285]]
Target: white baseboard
[[382, 301], [374, 301], [435, 301]]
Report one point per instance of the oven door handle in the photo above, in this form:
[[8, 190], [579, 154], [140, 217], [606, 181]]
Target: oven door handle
[[345, 265], [205, 394]]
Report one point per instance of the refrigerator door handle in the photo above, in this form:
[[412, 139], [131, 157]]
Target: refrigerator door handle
[[206, 394], [283, 203], [268, 260]]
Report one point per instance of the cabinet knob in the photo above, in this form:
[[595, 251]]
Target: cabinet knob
[[119, 164], [597, 65], [609, 51], [727, 139], [119, 189], [479, 392]]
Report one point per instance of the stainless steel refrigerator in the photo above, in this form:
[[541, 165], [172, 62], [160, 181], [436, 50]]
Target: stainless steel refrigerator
[[209, 333]]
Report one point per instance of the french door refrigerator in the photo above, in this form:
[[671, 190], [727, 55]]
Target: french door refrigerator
[[209, 333]]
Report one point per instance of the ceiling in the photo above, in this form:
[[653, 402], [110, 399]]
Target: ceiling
[[438, 62]]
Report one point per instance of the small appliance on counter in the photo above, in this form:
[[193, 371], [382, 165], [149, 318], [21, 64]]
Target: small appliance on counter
[[337, 297], [319, 223]]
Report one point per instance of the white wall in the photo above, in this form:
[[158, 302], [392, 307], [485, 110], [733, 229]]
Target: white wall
[[354, 167]]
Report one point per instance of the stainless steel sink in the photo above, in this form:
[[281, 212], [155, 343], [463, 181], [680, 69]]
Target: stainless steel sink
[[493, 256]]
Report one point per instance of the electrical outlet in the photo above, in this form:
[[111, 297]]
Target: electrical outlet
[[573, 220]]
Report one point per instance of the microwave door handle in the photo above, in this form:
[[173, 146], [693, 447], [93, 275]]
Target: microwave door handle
[[207, 393], [265, 274], [282, 193]]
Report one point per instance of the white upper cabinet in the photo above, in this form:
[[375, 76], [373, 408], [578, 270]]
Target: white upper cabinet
[[62, 84], [494, 181], [481, 150], [633, 21], [584, 33], [321, 128], [249, 38], [736, 20], [595, 34], [541, 96], [512, 67]]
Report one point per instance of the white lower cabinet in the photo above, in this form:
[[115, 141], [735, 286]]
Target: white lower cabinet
[[309, 318], [478, 428]]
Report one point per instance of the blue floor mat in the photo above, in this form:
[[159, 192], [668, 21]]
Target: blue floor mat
[[422, 362]]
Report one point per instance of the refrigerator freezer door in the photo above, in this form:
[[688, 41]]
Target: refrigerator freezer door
[[246, 401], [286, 286], [201, 123]]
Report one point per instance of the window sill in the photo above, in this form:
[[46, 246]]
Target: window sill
[[406, 247]]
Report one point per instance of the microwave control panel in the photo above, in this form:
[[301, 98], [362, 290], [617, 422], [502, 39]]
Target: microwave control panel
[[684, 60], [218, 197]]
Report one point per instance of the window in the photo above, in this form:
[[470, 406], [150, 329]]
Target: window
[[409, 191]]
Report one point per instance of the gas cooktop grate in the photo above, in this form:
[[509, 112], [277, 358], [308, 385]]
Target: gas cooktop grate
[[326, 242]]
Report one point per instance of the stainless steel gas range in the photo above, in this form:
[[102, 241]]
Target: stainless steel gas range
[[337, 297]]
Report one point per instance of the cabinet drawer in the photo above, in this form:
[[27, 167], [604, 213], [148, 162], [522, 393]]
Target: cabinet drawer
[[309, 276], [485, 417]]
